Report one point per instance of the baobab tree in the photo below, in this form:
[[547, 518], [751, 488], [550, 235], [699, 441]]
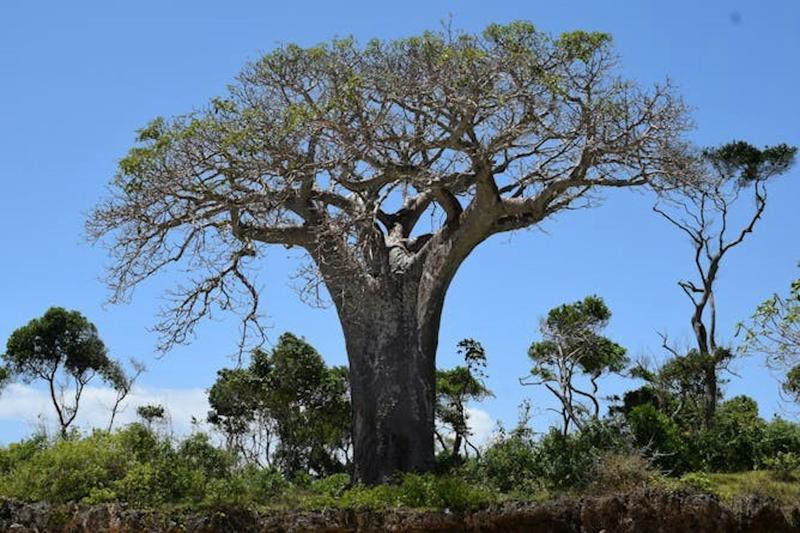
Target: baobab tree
[[387, 164], [705, 211]]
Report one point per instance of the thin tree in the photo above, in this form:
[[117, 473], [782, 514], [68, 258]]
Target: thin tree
[[387, 164], [705, 211], [62, 349], [572, 347], [123, 383], [455, 388]]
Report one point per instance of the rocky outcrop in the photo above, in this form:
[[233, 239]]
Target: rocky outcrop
[[650, 511]]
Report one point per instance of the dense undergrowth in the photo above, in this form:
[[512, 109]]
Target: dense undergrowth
[[147, 470]]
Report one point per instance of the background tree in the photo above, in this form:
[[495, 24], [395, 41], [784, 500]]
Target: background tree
[[123, 382], [62, 349], [732, 445], [4, 377], [572, 346], [704, 210], [677, 389], [287, 408], [658, 436], [239, 411], [151, 414], [387, 164], [309, 405], [454, 389], [774, 331]]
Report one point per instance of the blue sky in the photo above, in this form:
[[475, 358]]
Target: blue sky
[[78, 78]]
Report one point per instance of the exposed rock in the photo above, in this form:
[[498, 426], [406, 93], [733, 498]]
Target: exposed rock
[[650, 511]]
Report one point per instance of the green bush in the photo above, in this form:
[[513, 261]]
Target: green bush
[[570, 461], [509, 465], [420, 491], [146, 470], [20, 452], [68, 470], [447, 462], [785, 466], [332, 486], [131, 465], [697, 481], [780, 436], [227, 493], [734, 443], [142, 486], [197, 452], [251, 486], [142, 443], [659, 437], [519, 465]]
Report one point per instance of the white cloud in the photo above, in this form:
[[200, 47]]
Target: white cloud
[[31, 405], [482, 425]]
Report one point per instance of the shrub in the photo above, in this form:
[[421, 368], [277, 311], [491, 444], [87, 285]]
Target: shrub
[[733, 443], [131, 465], [516, 464], [697, 481], [142, 443], [780, 436], [570, 461], [100, 495], [509, 465], [141, 486], [68, 470], [623, 472], [20, 452], [785, 466], [198, 453], [333, 485], [227, 493], [421, 491], [659, 437], [248, 487], [448, 462]]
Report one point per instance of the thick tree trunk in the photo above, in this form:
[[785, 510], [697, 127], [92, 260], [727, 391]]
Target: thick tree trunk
[[390, 314], [391, 347]]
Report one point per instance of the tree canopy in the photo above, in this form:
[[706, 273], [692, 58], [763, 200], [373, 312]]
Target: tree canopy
[[341, 148], [63, 349], [572, 346]]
